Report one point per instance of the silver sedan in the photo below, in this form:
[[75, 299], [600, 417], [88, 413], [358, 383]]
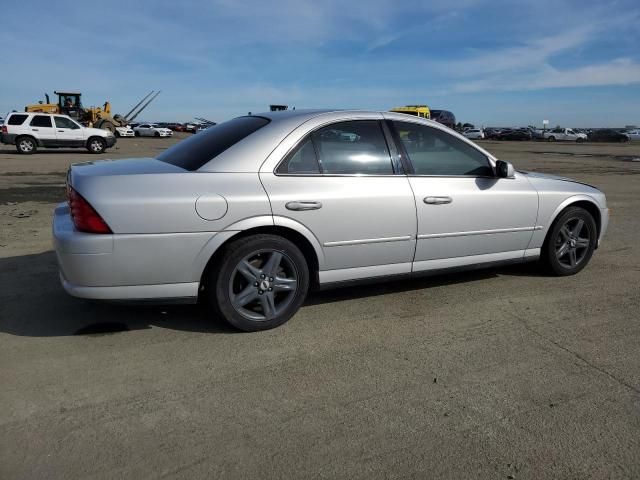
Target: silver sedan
[[252, 213]]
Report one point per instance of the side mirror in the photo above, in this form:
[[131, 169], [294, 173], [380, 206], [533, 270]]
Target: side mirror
[[504, 169]]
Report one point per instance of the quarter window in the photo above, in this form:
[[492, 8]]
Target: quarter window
[[41, 121], [303, 160], [63, 122], [17, 119], [435, 152], [356, 147]]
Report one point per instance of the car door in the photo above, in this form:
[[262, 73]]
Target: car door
[[143, 129], [340, 183], [466, 215], [68, 132], [41, 127]]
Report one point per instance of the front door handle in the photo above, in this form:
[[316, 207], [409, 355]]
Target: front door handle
[[302, 205], [437, 200]]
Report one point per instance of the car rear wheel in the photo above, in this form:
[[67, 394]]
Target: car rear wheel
[[26, 145], [551, 139], [570, 242], [96, 145], [260, 282]]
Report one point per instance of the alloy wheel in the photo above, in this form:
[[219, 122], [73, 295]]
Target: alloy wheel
[[26, 145], [96, 146], [263, 284], [572, 243]]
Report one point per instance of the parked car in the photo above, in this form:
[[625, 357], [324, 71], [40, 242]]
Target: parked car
[[536, 133], [474, 134], [515, 135], [176, 127], [564, 135], [633, 135], [189, 127], [445, 117], [607, 135], [151, 130], [125, 131], [30, 131], [253, 212], [492, 133]]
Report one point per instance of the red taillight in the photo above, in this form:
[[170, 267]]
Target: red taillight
[[85, 218], [4, 129]]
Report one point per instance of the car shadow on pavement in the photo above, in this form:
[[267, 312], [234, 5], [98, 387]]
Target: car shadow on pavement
[[405, 284], [33, 303]]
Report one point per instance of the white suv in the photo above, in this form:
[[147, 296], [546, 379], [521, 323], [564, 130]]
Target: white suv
[[28, 131]]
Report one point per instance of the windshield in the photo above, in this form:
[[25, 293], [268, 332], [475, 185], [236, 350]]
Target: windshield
[[193, 153]]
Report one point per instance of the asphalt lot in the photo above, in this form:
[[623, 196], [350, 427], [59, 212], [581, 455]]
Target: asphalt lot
[[500, 373]]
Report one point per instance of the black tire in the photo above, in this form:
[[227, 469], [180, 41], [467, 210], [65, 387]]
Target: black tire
[[569, 233], [136, 133], [579, 140], [156, 134], [26, 145], [245, 266], [96, 145], [108, 126], [551, 139]]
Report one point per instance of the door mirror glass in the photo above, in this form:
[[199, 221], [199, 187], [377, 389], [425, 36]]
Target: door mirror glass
[[504, 169]]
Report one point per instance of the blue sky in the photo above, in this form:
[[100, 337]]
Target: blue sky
[[490, 62]]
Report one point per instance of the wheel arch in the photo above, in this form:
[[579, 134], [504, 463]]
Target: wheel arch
[[582, 201], [312, 253], [23, 135]]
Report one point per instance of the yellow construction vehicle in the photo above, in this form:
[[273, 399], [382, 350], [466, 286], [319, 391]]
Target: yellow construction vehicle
[[421, 111], [69, 103]]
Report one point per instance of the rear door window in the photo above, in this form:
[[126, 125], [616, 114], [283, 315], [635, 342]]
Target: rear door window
[[193, 153], [17, 119], [355, 147], [41, 121]]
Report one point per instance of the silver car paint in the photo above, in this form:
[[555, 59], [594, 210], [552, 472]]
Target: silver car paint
[[169, 222]]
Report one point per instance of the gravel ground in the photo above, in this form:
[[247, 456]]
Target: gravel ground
[[499, 373]]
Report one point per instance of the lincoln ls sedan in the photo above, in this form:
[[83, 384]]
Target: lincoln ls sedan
[[250, 214]]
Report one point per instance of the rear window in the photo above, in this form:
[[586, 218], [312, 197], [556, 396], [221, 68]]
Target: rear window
[[193, 153], [17, 119]]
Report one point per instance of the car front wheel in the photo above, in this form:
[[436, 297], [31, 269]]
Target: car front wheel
[[260, 282], [96, 145], [570, 242]]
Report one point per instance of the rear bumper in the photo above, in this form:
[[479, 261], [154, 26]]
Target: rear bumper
[[8, 138], [132, 293], [127, 267]]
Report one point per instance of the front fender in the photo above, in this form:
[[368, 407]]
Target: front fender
[[548, 215]]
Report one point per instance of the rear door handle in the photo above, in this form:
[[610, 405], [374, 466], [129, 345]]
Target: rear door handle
[[437, 200], [35, 130], [302, 205]]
